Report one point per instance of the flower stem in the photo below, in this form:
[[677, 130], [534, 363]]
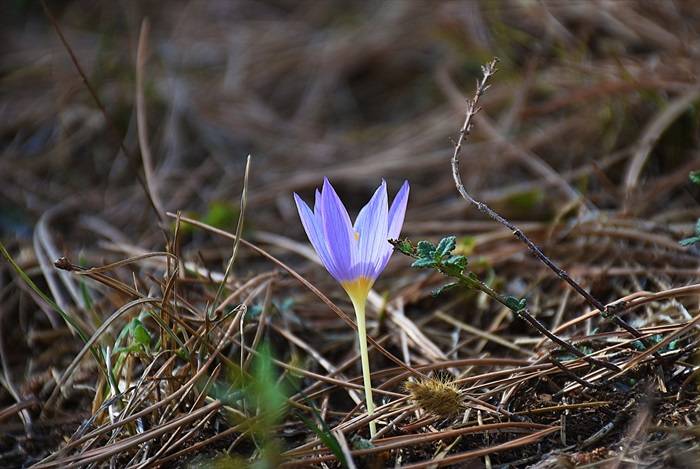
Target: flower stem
[[364, 357]]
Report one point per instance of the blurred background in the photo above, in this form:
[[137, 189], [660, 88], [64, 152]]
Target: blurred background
[[355, 91], [585, 139]]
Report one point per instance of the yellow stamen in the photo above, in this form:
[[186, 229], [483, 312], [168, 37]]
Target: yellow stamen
[[357, 235]]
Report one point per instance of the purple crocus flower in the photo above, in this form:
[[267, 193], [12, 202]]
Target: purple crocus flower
[[354, 254]]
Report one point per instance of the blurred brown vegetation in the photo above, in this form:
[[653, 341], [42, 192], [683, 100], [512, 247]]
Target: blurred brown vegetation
[[586, 139], [352, 90]]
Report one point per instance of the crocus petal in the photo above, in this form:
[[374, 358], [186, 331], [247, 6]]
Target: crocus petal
[[371, 230], [337, 232], [317, 204], [397, 211], [396, 216], [312, 226]]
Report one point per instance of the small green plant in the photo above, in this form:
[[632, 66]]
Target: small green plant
[[135, 336], [258, 402], [692, 239], [324, 433], [694, 177], [426, 255]]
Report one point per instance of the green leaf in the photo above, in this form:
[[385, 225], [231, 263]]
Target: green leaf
[[459, 262], [639, 345], [327, 438], [425, 249], [444, 288], [689, 241], [140, 333], [226, 393], [253, 312], [266, 392], [183, 350], [694, 177], [697, 227], [360, 443], [403, 246], [446, 246], [423, 263], [516, 304], [454, 266], [133, 348]]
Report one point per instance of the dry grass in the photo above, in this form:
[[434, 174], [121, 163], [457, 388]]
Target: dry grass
[[127, 218]]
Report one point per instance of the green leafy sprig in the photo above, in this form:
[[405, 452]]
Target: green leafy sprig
[[454, 266], [426, 255]]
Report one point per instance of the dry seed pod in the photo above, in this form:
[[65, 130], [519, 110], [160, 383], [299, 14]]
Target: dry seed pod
[[438, 396]]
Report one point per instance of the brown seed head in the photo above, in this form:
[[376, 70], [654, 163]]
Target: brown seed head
[[438, 396]]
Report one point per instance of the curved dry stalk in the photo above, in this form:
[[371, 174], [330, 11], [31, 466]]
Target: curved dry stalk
[[488, 71], [239, 230], [142, 122]]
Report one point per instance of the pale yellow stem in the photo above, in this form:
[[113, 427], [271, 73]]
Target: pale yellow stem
[[364, 357]]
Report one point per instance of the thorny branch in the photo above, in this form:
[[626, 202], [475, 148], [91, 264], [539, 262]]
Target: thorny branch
[[473, 108], [522, 312]]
